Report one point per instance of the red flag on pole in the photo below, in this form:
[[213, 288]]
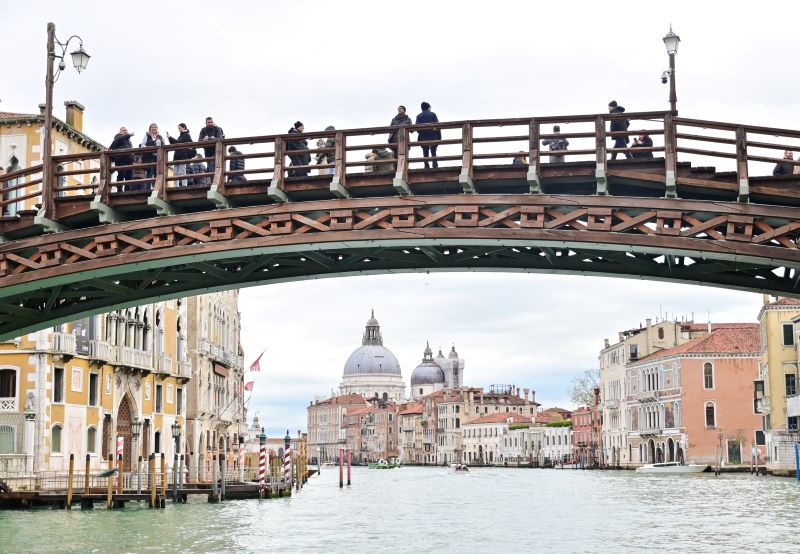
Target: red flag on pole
[[255, 366], [249, 386]]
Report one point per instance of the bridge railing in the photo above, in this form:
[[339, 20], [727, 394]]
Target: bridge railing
[[464, 145]]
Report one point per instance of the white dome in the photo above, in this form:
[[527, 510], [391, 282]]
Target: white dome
[[372, 358]]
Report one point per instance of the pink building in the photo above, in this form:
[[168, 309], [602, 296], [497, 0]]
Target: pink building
[[694, 402]]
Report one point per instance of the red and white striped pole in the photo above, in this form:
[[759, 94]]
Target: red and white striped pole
[[287, 460], [120, 452], [262, 461]]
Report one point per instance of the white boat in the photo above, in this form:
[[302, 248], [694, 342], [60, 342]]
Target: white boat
[[672, 467], [459, 468], [328, 464]]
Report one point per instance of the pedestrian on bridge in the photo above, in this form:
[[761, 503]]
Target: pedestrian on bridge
[[619, 125], [397, 121], [236, 164], [330, 156], [184, 154], [555, 144], [151, 138], [211, 132], [783, 168], [197, 166], [297, 146], [122, 141], [427, 116], [643, 141]]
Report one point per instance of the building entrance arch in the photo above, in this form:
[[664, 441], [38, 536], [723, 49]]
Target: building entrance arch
[[124, 418]]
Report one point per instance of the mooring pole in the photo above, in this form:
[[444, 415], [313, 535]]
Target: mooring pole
[[349, 465], [341, 467], [175, 478], [110, 492], [152, 460], [223, 475], [69, 481]]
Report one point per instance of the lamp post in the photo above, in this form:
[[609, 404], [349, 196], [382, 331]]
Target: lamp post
[[136, 430], [176, 434], [80, 59], [671, 41]]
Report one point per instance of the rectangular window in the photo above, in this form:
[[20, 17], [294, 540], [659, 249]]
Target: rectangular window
[[94, 384], [76, 383], [788, 334], [58, 384], [179, 401], [159, 397], [761, 439], [711, 416], [170, 393], [792, 424], [7, 439], [791, 384], [8, 383], [634, 351]]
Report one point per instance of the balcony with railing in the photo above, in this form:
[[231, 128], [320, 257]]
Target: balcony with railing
[[184, 369], [100, 350], [8, 404], [63, 344], [133, 358], [163, 364]]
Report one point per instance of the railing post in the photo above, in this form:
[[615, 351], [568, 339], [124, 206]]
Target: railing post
[[160, 184], [104, 180], [601, 169], [219, 167], [275, 190], [400, 181], [670, 156], [742, 175], [339, 181], [465, 178], [534, 158]]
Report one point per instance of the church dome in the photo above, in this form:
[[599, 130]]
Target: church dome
[[372, 357], [428, 372]]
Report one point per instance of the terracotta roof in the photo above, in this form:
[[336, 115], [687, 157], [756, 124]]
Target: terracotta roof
[[501, 417], [714, 326], [549, 417], [411, 408], [737, 338], [359, 411], [12, 114], [785, 301]]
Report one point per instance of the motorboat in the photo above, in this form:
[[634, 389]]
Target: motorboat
[[328, 464], [672, 467], [383, 464], [460, 468]]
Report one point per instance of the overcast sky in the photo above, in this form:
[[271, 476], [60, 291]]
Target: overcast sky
[[259, 66]]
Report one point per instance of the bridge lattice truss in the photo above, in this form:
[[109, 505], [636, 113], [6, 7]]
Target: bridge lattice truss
[[94, 248]]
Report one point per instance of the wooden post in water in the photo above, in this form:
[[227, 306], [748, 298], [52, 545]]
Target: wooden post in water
[[213, 497], [139, 476], [163, 477], [349, 464], [69, 481], [152, 461], [223, 474], [120, 473], [175, 478], [110, 492], [341, 467], [86, 475]]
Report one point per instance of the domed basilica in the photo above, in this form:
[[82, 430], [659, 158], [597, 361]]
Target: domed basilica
[[372, 370], [437, 373]]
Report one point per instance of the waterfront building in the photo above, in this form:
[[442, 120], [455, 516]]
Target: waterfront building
[[551, 443], [632, 345], [428, 376], [327, 420], [543, 417], [483, 437], [208, 330], [776, 386], [372, 370], [88, 387], [21, 146], [586, 434], [686, 403], [410, 424]]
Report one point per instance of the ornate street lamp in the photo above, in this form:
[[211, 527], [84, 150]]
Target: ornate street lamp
[[671, 42], [80, 59], [176, 434], [136, 428]]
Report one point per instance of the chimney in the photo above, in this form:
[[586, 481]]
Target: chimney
[[621, 336], [533, 396], [526, 391], [648, 321], [607, 343], [596, 396], [42, 108], [75, 114], [519, 393]]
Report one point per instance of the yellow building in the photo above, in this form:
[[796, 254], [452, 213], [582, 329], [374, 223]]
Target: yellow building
[[777, 379], [21, 139]]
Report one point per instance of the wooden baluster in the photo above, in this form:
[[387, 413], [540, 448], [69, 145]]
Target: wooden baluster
[[160, 184], [339, 182], [601, 170], [275, 190], [220, 171], [49, 182], [465, 179], [400, 181], [534, 158], [670, 156], [104, 180], [742, 175]]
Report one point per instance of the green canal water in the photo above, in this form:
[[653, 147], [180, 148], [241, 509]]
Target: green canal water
[[434, 510]]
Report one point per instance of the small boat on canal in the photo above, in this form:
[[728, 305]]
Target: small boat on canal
[[460, 468], [383, 464], [672, 467]]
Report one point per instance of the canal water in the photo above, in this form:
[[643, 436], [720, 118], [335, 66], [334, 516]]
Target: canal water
[[434, 510]]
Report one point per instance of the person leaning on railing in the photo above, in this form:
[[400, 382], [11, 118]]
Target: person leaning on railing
[[783, 168], [151, 138], [182, 154], [297, 144], [122, 141], [196, 167], [398, 121], [520, 158], [556, 144], [213, 133], [236, 164], [643, 141]]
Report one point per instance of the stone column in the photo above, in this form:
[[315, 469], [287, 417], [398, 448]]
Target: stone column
[[41, 398], [28, 438]]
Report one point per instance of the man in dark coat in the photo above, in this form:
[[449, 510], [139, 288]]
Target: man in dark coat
[[645, 141], [182, 154], [400, 119], [122, 141], [213, 133], [618, 125], [782, 168], [298, 157], [236, 164], [427, 116]]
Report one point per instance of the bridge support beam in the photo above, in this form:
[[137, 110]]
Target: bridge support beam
[[277, 194], [217, 198], [105, 213], [534, 181], [338, 189], [602, 180], [162, 206], [466, 182], [744, 190], [49, 225], [401, 186], [671, 185]]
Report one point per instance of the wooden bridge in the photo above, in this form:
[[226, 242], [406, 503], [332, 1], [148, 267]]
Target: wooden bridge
[[80, 244]]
